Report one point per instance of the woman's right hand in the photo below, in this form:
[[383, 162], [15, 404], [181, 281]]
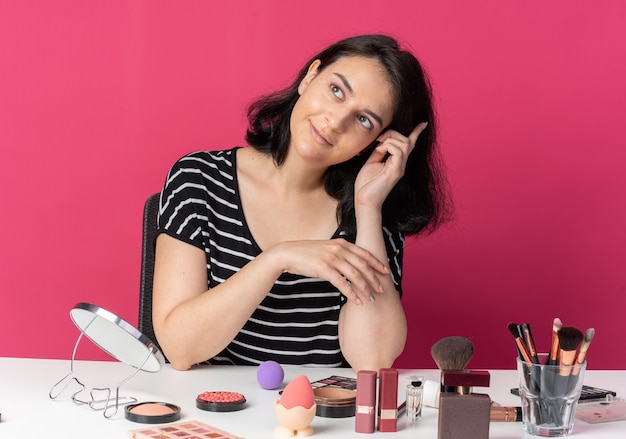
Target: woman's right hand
[[354, 271]]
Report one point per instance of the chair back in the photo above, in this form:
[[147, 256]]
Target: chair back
[[150, 212]]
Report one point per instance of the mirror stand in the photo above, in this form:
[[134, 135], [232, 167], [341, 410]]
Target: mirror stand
[[109, 404]]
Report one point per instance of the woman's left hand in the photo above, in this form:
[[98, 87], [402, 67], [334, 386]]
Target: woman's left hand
[[378, 176]]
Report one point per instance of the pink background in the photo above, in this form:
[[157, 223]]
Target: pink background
[[99, 98]]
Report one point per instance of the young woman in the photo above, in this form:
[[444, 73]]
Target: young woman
[[291, 249]]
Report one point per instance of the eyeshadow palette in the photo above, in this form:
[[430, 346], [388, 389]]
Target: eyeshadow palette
[[185, 430], [335, 397], [588, 393], [335, 381]]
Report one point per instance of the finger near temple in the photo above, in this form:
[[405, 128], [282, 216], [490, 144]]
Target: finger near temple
[[398, 148], [396, 155], [417, 131]]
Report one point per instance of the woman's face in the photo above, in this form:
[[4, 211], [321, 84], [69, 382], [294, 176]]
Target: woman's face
[[341, 110]]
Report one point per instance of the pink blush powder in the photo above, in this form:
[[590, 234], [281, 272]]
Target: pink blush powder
[[151, 409]]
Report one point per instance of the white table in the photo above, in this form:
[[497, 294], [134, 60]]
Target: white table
[[27, 410]]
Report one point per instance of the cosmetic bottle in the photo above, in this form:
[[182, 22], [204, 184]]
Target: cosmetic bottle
[[414, 398], [462, 413]]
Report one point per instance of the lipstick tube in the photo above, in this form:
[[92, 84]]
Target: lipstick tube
[[365, 413], [388, 400]]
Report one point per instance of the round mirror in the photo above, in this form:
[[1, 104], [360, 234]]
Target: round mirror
[[117, 337]]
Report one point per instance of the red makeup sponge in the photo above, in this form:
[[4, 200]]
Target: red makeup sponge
[[298, 393]]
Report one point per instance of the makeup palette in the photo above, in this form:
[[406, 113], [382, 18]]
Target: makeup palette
[[335, 397], [334, 402], [186, 430], [335, 381]]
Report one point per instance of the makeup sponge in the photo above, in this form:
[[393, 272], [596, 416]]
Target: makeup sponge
[[270, 375], [298, 393]]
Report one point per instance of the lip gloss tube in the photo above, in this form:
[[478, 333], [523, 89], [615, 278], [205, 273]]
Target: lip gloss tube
[[365, 414], [388, 400]]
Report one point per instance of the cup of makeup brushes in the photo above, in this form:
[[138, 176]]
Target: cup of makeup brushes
[[549, 393]]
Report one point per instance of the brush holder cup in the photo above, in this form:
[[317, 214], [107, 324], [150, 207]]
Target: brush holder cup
[[549, 394]]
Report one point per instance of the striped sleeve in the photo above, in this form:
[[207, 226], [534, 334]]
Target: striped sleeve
[[193, 195], [394, 242]]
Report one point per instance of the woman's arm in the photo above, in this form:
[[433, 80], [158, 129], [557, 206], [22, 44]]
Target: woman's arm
[[194, 324], [374, 335]]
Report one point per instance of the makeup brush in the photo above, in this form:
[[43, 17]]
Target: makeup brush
[[527, 335], [505, 414], [530, 373], [570, 338], [589, 334], [554, 350], [452, 353], [521, 346], [582, 353]]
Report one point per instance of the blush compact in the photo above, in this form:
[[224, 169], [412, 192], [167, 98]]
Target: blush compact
[[221, 401], [152, 412]]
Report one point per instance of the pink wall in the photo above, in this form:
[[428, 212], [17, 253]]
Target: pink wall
[[97, 99]]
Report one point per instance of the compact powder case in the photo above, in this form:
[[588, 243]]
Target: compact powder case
[[334, 402], [152, 412], [221, 401]]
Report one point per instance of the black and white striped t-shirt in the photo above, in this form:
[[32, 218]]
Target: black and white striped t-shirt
[[296, 323]]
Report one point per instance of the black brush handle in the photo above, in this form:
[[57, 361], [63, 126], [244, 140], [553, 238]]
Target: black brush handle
[[527, 336], [554, 385]]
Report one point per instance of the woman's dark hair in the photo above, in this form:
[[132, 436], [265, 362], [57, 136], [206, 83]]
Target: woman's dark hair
[[419, 200]]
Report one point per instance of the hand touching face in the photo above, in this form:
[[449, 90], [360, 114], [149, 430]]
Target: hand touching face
[[385, 166]]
